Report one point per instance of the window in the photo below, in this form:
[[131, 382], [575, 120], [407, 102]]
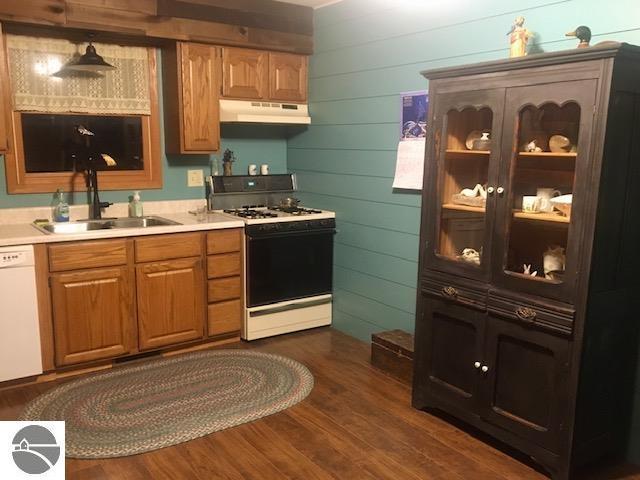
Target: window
[[51, 143], [40, 156]]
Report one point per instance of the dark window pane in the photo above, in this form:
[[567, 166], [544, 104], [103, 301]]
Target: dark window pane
[[51, 143]]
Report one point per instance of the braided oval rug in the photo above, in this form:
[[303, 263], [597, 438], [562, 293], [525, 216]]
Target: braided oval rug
[[143, 407]]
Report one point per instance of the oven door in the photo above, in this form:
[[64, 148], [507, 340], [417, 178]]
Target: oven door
[[288, 265]]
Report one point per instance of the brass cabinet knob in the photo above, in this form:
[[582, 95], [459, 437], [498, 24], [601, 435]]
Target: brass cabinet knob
[[500, 190], [477, 364], [526, 314], [484, 369], [490, 190], [450, 292]]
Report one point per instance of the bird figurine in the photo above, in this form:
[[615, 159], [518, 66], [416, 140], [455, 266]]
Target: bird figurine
[[82, 130], [518, 38], [582, 33]]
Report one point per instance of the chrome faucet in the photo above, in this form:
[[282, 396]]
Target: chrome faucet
[[91, 173]]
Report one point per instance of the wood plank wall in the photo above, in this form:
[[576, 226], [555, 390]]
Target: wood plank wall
[[264, 24], [366, 53]]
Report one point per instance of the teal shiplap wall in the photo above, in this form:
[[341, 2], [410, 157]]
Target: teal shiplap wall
[[366, 53], [256, 145]]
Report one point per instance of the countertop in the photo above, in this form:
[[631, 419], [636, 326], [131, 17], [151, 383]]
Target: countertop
[[26, 233]]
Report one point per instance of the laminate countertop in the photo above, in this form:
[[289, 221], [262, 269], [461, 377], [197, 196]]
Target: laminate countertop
[[27, 233]]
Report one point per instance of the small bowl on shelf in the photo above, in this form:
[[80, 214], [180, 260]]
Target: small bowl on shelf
[[475, 136], [560, 144], [563, 204]]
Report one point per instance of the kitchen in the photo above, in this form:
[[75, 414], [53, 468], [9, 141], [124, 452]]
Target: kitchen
[[363, 54]]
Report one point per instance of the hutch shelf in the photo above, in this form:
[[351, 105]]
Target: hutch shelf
[[527, 316]]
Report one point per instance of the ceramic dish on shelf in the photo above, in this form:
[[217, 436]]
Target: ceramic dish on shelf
[[560, 144], [563, 203], [473, 136]]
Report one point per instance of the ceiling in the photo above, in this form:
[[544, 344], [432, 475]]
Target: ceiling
[[312, 3]]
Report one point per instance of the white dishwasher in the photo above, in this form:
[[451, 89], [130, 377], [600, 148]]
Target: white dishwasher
[[20, 354]]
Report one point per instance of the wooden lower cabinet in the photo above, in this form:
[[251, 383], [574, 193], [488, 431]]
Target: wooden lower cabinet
[[225, 292], [115, 297], [477, 365], [225, 317], [93, 314], [170, 302], [454, 339], [524, 389]]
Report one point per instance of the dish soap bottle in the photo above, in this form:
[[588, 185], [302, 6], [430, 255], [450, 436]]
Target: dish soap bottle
[[135, 205], [61, 208]]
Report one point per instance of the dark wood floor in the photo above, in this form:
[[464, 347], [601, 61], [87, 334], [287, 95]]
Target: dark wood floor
[[357, 423]]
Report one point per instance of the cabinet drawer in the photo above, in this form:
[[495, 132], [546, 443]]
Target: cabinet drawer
[[455, 290], [224, 289], [224, 265], [224, 317], [547, 315], [164, 247], [224, 241], [74, 256]]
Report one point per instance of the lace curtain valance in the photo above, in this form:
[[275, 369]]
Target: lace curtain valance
[[32, 60]]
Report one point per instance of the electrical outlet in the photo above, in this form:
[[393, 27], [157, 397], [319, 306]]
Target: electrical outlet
[[195, 178]]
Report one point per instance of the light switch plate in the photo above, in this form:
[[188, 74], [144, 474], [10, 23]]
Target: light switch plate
[[195, 178]]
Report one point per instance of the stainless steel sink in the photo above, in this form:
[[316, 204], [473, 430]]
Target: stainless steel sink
[[104, 224]]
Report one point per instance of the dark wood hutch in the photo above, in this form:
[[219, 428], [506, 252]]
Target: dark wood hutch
[[527, 321]]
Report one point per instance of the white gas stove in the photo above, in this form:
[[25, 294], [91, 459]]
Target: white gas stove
[[288, 254]]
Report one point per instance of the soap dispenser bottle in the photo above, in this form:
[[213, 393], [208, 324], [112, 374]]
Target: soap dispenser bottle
[[135, 205], [60, 208]]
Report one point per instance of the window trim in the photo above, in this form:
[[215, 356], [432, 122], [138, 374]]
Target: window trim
[[19, 181]]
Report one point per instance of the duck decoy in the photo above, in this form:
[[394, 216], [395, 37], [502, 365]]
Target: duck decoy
[[582, 33]]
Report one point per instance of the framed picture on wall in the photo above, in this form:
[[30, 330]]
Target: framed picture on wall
[[413, 115]]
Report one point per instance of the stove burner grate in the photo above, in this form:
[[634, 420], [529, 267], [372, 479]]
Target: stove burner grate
[[295, 210], [250, 213]]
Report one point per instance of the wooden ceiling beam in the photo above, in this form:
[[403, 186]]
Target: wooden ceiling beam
[[142, 19], [265, 14]]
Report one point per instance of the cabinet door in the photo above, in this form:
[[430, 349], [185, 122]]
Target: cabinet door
[[244, 73], [525, 385], [170, 302], [4, 95], [460, 178], [448, 354], [539, 246], [199, 93], [93, 314], [287, 77]]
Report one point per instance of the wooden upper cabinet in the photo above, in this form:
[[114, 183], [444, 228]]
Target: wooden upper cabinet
[[287, 77], [93, 314], [191, 79], [245, 73]]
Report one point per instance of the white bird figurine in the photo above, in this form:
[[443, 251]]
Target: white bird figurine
[[475, 191], [84, 131]]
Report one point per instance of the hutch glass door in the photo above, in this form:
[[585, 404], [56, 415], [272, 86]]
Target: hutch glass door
[[543, 185], [466, 144]]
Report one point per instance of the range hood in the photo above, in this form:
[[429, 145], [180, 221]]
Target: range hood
[[247, 111]]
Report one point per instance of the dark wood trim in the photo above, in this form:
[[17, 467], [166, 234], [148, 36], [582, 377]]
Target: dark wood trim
[[606, 50], [266, 14], [266, 24]]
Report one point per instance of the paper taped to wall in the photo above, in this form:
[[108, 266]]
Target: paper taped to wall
[[409, 165]]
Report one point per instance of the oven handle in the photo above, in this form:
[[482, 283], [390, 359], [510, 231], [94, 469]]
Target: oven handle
[[299, 233]]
